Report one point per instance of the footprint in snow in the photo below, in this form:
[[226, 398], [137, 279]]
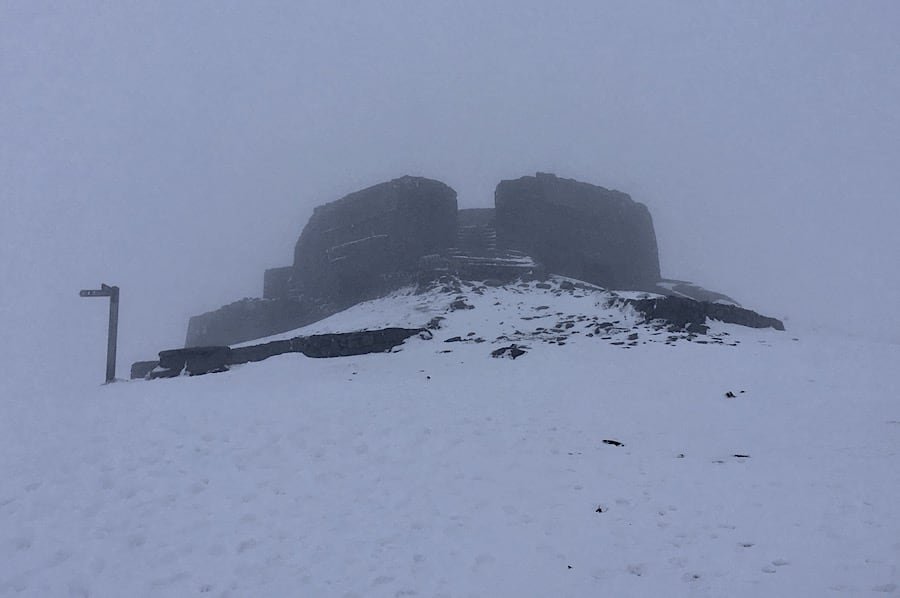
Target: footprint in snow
[[637, 570], [887, 588]]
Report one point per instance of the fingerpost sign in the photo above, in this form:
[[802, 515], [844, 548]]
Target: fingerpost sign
[[113, 294]]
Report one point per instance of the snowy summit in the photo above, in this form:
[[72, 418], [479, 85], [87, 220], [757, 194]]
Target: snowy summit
[[611, 456]]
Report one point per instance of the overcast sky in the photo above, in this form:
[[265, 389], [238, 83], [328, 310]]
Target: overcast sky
[[177, 148]]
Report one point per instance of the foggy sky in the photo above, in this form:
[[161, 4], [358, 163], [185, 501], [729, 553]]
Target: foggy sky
[[177, 149]]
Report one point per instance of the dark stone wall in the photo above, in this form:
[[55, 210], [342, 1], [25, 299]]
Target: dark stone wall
[[211, 359], [353, 343], [476, 217], [276, 282], [370, 241], [352, 249], [249, 319], [579, 230]]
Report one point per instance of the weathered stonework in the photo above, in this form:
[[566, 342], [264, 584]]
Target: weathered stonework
[[195, 361], [579, 230], [409, 230], [370, 241], [353, 249], [277, 283], [249, 319]]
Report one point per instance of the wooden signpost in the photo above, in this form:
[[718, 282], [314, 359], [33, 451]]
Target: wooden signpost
[[113, 294]]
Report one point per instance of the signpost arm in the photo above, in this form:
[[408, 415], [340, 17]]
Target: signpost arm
[[113, 334]]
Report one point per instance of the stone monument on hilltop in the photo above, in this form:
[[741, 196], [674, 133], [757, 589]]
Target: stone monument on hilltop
[[392, 234]]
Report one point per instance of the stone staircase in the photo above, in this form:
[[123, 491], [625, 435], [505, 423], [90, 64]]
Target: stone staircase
[[476, 255], [475, 240]]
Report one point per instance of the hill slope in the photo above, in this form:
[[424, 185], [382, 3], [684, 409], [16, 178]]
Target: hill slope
[[441, 471]]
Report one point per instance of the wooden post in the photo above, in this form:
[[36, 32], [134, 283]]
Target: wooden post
[[113, 333]]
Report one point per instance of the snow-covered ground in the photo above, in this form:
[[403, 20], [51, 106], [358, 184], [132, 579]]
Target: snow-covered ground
[[440, 471]]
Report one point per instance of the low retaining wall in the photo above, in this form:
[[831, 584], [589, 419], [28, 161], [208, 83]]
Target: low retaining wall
[[205, 360]]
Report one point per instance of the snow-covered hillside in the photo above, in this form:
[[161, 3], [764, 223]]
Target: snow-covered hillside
[[438, 470]]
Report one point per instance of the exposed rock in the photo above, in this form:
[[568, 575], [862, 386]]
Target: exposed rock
[[434, 323], [697, 328], [578, 230], [686, 314], [683, 288], [512, 351], [460, 304]]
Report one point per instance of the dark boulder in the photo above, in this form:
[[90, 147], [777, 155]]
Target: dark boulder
[[512, 351], [459, 304], [580, 230]]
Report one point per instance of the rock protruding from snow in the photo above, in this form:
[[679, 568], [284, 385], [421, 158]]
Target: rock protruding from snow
[[687, 314], [512, 351]]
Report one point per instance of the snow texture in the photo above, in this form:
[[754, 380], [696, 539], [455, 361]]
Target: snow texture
[[439, 471]]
